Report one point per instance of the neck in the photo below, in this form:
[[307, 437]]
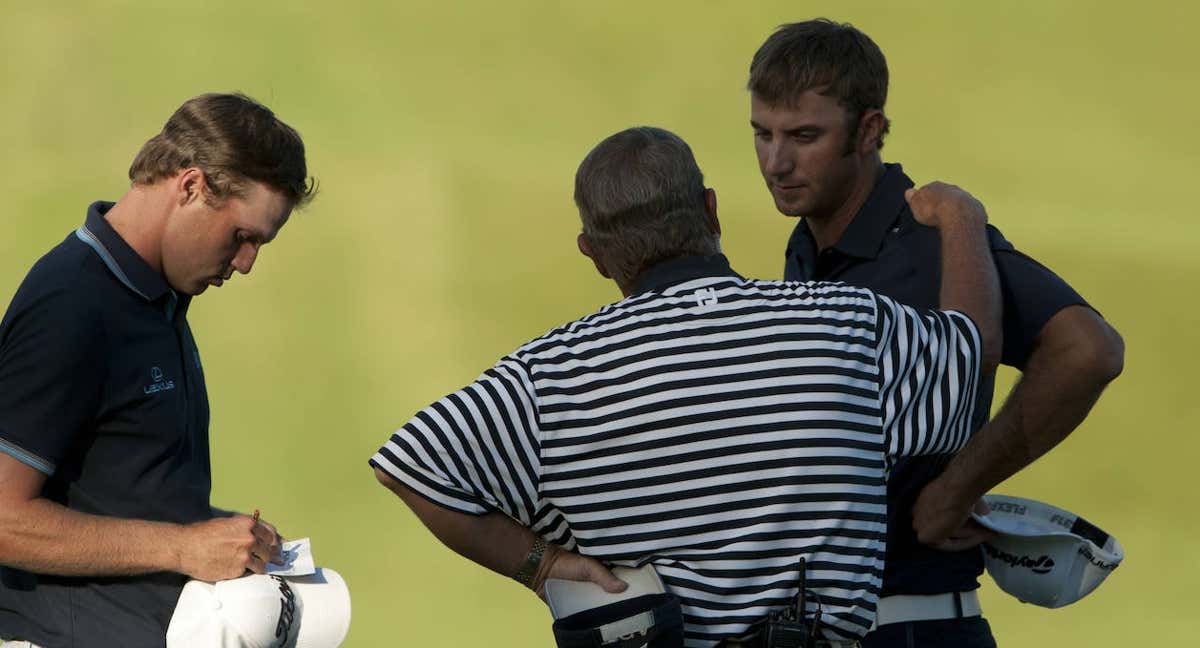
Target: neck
[[139, 218], [827, 229]]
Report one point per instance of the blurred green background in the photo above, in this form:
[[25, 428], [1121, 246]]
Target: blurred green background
[[446, 135]]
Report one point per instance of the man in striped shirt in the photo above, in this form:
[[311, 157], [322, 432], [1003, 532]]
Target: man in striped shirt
[[716, 427]]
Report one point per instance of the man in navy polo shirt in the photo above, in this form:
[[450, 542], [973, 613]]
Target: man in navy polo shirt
[[104, 464], [818, 90]]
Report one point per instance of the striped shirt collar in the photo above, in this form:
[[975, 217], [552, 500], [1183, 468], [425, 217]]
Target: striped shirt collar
[[675, 271], [864, 235], [126, 264]]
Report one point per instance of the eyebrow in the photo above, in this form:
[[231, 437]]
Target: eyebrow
[[264, 238], [257, 237], [795, 129]]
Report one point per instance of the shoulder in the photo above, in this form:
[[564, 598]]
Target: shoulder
[[70, 263], [815, 294], [997, 241], [62, 286], [908, 231], [589, 329]]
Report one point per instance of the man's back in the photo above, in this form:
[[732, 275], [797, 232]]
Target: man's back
[[717, 427]]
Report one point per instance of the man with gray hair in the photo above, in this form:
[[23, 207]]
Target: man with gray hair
[[720, 429]]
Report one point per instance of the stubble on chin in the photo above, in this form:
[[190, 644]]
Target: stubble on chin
[[791, 210]]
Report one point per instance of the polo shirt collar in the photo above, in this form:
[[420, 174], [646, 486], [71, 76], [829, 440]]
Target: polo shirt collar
[[125, 264], [865, 234], [675, 271]]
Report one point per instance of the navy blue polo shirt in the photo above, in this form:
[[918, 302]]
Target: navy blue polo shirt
[[886, 250], [102, 390]]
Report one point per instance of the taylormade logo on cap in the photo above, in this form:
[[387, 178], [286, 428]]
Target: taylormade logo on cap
[[1041, 565]]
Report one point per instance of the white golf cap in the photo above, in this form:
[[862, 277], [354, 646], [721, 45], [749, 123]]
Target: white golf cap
[[263, 612], [1043, 554]]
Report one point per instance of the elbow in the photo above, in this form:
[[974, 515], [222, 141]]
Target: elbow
[[387, 481], [10, 521], [1102, 355]]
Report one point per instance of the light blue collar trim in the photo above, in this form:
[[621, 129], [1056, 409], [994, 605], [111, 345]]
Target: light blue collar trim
[[83, 234]]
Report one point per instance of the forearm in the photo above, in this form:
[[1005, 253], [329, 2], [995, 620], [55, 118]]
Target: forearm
[[1077, 355], [495, 541], [970, 284], [43, 537]]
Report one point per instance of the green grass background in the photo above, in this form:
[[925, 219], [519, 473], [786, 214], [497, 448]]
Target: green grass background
[[446, 135]]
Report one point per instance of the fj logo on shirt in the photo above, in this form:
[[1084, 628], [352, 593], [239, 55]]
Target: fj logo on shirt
[[705, 297], [160, 383]]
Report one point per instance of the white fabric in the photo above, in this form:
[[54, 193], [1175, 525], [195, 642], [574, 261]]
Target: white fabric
[[640, 622], [902, 608], [263, 612]]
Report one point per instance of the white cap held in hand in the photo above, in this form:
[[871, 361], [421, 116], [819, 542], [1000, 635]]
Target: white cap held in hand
[[263, 612]]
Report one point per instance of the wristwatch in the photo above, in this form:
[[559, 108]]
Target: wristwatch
[[529, 568]]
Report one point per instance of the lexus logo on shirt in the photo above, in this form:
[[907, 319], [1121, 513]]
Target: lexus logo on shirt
[[159, 383]]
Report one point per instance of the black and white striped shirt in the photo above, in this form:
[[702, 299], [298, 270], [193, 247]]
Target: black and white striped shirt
[[718, 427]]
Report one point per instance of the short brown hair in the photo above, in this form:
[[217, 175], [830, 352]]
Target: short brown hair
[[231, 138], [641, 199], [833, 59]]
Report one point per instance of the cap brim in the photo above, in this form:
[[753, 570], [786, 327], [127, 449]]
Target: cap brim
[[325, 617], [196, 622]]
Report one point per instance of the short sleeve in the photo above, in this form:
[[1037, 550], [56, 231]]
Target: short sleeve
[[476, 450], [929, 374], [52, 368], [1032, 294]]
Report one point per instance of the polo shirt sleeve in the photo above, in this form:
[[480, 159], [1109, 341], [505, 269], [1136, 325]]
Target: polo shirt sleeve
[[52, 368], [929, 374], [475, 451], [1032, 294]]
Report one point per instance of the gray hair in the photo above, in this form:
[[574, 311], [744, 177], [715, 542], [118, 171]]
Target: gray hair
[[641, 199]]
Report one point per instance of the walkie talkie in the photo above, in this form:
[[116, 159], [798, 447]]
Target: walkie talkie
[[786, 627]]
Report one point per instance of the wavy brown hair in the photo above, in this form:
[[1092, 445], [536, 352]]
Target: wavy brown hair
[[232, 139]]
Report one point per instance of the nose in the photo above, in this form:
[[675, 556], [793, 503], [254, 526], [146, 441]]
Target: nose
[[246, 255], [777, 162]]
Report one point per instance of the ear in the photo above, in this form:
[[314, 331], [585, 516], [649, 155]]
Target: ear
[[870, 129], [586, 249], [710, 209], [189, 185]]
